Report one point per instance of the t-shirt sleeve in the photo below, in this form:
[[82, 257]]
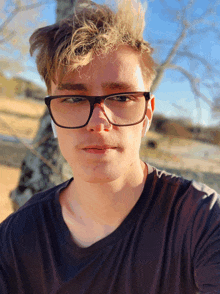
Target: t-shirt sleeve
[[206, 244]]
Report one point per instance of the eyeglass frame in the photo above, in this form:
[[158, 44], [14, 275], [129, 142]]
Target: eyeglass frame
[[96, 100]]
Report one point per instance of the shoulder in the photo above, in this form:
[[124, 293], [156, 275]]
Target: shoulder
[[189, 212], [27, 217], [166, 179], [189, 209], [187, 196]]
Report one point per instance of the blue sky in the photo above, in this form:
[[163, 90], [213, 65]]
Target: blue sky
[[174, 90]]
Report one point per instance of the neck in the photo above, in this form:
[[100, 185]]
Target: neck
[[105, 203]]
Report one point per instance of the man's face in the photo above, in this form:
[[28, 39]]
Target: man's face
[[101, 152]]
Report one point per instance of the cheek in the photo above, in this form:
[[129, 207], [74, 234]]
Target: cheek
[[133, 137], [66, 143]]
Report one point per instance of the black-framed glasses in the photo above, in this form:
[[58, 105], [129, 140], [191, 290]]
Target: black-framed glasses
[[120, 109]]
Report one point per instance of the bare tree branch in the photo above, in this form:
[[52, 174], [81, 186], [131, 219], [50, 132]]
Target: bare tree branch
[[183, 110], [164, 65], [172, 53], [193, 83], [211, 10], [209, 67], [204, 31], [193, 26], [8, 38], [19, 9], [216, 107]]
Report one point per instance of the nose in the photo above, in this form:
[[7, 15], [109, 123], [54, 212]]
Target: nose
[[98, 121]]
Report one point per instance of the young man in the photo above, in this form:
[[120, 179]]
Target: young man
[[120, 226]]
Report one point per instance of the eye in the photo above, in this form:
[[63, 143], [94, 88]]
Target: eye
[[122, 98], [73, 100]]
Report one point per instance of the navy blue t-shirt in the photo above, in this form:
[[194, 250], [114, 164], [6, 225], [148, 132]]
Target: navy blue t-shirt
[[168, 243]]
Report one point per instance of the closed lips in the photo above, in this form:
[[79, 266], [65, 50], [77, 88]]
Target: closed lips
[[99, 147]]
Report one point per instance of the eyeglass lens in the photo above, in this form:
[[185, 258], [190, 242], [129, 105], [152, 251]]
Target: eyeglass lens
[[120, 109]]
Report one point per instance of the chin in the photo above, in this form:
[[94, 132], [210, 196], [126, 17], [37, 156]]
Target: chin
[[98, 174]]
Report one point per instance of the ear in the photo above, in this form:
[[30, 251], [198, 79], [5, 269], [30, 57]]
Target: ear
[[148, 116]]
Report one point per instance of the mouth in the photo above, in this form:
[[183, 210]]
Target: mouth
[[98, 149]]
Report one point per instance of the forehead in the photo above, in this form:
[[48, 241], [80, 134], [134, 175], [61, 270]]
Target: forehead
[[120, 67]]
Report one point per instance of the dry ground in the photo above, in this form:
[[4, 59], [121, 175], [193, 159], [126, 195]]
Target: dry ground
[[8, 180], [20, 117]]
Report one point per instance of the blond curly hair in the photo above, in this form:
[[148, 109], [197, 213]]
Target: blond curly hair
[[92, 29]]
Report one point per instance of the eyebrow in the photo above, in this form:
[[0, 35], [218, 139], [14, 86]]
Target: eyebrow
[[106, 85], [117, 85], [70, 86]]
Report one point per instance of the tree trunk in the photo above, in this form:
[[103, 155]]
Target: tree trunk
[[36, 175]]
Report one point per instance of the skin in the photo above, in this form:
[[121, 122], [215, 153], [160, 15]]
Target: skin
[[108, 182]]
